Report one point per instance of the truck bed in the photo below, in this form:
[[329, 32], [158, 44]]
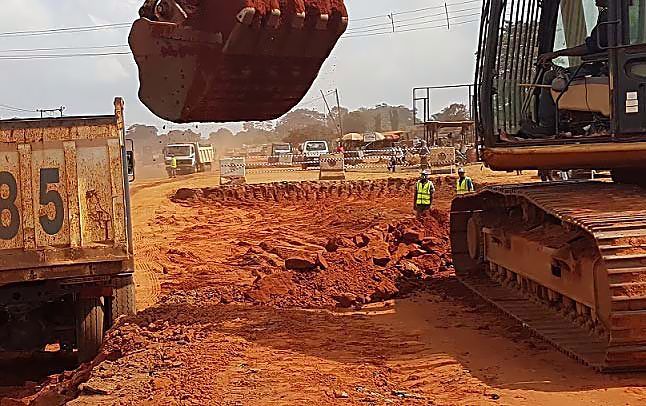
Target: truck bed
[[63, 195]]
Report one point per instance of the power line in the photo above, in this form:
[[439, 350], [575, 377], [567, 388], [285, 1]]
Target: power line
[[57, 56], [314, 100], [415, 10], [436, 7], [64, 30], [433, 21], [357, 33], [63, 48], [15, 109], [409, 30], [388, 25], [128, 24]]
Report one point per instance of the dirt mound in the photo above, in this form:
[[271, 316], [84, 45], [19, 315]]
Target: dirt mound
[[284, 192], [382, 262], [305, 244]]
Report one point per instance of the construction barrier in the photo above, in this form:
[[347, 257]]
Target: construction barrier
[[332, 167], [286, 160], [233, 171], [436, 158], [442, 156]]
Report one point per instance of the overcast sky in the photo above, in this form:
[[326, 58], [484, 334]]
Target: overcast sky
[[367, 70]]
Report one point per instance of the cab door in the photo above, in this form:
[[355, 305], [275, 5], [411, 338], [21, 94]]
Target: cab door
[[627, 40]]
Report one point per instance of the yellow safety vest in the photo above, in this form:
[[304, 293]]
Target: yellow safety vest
[[173, 162], [423, 193], [465, 186]]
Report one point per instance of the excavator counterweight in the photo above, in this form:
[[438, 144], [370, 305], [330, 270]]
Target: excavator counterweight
[[231, 60]]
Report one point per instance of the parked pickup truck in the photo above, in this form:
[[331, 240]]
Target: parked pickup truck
[[66, 259], [190, 157], [311, 152]]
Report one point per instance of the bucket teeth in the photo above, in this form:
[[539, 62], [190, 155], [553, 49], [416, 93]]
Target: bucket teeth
[[298, 21], [274, 19], [322, 22], [246, 15]]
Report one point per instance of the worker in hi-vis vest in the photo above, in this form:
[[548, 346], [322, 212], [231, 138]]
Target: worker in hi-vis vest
[[173, 167], [424, 191], [464, 183]]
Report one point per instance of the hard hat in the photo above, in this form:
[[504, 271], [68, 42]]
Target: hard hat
[[426, 172], [461, 170]]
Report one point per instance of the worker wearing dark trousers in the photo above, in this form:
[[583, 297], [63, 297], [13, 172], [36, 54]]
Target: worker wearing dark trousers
[[392, 164], [424, 190], [464, 183]]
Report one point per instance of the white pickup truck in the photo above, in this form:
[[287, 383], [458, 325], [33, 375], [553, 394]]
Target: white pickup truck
[[311, 152]]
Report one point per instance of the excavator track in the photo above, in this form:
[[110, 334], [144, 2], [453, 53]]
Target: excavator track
[[568, 260]]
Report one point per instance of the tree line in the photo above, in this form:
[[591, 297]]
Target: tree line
[[295, 127]]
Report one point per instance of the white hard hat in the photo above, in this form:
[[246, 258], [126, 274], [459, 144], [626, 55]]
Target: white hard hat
[[426, 172], [461, 170]]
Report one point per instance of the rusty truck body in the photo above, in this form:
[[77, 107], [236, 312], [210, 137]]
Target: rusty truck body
[[66, 259]]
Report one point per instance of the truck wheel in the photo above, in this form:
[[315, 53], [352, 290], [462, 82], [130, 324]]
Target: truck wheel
[[123, 301], [89, 328]]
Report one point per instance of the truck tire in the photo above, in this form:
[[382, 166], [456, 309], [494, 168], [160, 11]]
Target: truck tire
[[123, 301], [89, 328]]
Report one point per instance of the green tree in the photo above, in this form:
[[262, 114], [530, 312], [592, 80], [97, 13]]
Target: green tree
[[454, 112]]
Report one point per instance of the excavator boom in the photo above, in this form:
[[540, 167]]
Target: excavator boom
[[231, 60]]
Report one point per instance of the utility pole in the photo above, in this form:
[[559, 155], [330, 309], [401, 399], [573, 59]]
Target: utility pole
[[338, 107], [329, 110], [392, 20], [446, 10]]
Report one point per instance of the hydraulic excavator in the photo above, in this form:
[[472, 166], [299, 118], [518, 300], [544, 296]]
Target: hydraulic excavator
[[567, 259], [231, 60]]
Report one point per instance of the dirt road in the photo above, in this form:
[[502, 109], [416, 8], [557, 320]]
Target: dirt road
[[308, 294]]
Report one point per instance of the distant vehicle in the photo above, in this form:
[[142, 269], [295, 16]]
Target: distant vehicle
[[312, 151], [278, 150], [191, 157]]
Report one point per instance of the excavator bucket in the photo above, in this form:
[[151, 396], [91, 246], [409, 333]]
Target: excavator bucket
[[231, 60]]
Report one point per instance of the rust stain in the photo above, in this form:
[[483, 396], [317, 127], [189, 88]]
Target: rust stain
[[97, 213]]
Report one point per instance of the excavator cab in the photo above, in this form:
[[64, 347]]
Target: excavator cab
[[231, 60], [597, 100]]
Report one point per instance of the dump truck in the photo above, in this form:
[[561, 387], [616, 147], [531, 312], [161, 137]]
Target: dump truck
[[66, 260], [190, 157]]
